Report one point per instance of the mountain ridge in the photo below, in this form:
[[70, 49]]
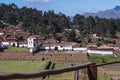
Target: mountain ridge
[[109, 13]]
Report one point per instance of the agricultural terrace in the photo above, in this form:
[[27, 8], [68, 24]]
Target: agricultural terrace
[[14, 61], [10, 48], [21, 66], [109, 71]]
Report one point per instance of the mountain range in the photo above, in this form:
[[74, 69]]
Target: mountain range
[[110, 13]]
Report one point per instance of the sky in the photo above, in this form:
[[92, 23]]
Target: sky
[[68, 7]]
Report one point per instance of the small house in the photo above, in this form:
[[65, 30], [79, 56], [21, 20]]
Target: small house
[[94, 38]]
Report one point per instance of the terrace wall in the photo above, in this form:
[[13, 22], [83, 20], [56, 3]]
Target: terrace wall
[[61, 57]]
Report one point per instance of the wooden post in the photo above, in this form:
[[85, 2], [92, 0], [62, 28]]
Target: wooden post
[[77, 75], [92, 72]]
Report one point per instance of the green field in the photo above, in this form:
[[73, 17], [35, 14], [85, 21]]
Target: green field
[[35, 66], [16, 49], [59, 65], [118, 34], [21, 66], [63, 76], [104, 77], [103, 59]]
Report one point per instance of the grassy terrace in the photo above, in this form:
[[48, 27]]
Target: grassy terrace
[[104, 77], [21, 66], [34, 66], [16, 49], [64, 76], [118, 34], [110, 69], [103, 59]]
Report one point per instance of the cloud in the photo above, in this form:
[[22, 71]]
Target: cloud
[[37, 1]]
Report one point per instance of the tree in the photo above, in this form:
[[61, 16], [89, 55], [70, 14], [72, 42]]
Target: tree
[[9, 17], [48, 22], [78, 21]]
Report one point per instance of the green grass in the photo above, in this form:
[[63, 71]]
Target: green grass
[[104, 77], [16, 49], [63, 76], [118, 34], [59, 65], [103, 59], [21, 66]]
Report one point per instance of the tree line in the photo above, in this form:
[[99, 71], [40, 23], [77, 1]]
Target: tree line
[[49, 23]]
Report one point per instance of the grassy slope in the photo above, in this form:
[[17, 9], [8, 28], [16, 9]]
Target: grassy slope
[[21, 66], [103, 59]]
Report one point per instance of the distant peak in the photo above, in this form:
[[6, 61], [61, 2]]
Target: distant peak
[[117, 7]]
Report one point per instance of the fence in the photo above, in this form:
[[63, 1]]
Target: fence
[[91, 71]]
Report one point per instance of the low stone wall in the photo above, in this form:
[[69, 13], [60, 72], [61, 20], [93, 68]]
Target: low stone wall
[[61, 57]]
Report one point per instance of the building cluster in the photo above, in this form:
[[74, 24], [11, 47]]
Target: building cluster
[[113, 48], [15, 36]]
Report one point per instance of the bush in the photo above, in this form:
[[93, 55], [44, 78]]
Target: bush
[[99, 44]]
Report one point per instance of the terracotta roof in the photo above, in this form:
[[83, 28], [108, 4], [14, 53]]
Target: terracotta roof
[[67, 44], [61, 44], [91, 44], [76, 46], [117, 41], [1, 39], [1, 30], [23, 42], [110, 45], [11, 39], [49, 44]]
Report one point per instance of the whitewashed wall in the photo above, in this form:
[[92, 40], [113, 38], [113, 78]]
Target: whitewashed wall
[[64, 48], [99, 52], [14, 43], [23, 45], [59, 47], [1, 33], [5, 43], [49, 47], [69, 48], [80, 49]]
